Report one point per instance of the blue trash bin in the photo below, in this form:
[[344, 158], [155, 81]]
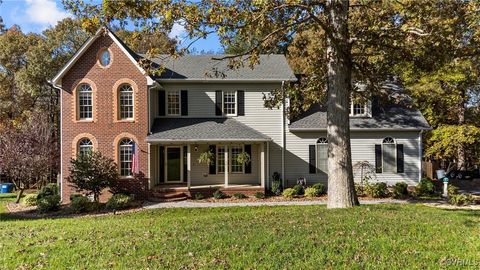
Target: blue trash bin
[[7, 188]]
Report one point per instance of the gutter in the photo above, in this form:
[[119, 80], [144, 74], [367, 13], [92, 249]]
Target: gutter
[[284, 134], [204, 140], [360, 129], [61, 136]]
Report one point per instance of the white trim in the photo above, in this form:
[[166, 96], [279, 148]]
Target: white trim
[[166, 164], [360, 129], [235, 105], [178, 92], [262, 165], [226, 165], [61, 143], [148, 167], [187, 80], [420, 155], [189, 165], [206, 140], [395, 151]]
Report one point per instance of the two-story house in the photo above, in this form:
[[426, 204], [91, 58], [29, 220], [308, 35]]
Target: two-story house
[[161, 125]]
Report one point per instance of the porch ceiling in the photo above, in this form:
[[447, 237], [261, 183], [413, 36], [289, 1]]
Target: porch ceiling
[[203, 130]]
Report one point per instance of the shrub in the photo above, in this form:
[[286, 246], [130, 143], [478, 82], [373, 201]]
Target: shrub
[[377, 190], [92, 173], [311, 192], [198, 196], [239, 195], [30, 200], [299, 189], [359, 190], [277, 188], [259, 195], [425, 187], [400, 190], [321, 189], [118, 202], [289, 193], [74, 195], [48, 190], [80, 204], [219, 195], [48, 203], [452, 190], [460, 199]]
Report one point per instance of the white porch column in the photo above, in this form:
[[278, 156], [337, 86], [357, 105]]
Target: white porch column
[[189, 165], [149, 168], [226, 165], [262, 165]]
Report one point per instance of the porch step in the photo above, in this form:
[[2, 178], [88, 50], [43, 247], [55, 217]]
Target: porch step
[[176, 199], [170, 195]]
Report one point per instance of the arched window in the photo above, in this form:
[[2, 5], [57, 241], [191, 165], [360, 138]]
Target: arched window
[[125, 100], [389, 155], [85, 147], [126, 157], [322, 154], [104, 58], [85, 102]]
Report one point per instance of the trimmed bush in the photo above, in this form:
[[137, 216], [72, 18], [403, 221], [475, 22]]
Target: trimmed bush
[[48, 190], [259, 195], [452, 190], [277, 188], [219, 195], [299, 189], [400, 190], [426, 187], [321, 189], [239, 195], [48, 203], [30, 200], [289, 193], [377, 190], [359, 190], [460, 199], [80, 204], [198, 196], [311, 192], [74, 195], [118, 202]]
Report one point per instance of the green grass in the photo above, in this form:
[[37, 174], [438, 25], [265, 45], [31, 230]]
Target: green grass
[[293, 237]]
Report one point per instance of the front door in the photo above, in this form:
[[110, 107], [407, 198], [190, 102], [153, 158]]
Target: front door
[[173, 164]]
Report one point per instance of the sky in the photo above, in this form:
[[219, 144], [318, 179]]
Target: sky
[[37, 15]]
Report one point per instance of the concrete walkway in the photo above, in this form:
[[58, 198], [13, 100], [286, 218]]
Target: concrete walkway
[[190, 204]]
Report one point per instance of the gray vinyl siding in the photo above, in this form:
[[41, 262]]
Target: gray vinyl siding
[[363, 149]]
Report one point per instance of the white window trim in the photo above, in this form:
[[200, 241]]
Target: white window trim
[[217, 162], [165, 157], [316, 157], [230, 157], [236, 103], [179, 102], [120, 107], [367, 108], [395, 154], [78, 102], [80, 146], [120, 159]]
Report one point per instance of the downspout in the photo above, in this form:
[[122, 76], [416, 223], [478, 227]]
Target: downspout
[[284, 135], [420, 155]]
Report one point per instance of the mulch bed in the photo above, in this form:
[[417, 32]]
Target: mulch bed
[[275, 199]]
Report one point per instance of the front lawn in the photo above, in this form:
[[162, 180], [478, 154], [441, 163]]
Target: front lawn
[[293, 237]]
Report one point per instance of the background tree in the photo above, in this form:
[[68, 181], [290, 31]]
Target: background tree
[[92, 173], [25, 155]]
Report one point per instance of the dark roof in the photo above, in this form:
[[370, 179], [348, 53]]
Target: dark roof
[[203, 67], [203, 129], [391, 116]]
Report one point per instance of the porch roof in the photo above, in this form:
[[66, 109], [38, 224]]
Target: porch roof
[[203, 130]]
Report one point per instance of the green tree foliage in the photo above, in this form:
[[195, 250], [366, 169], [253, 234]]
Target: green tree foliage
[[92, 173]]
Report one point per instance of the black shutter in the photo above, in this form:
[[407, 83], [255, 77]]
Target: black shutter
[[218, 102], [161, 103], [378, 158], [400, 159], [312, 166], [248, 166], [161, 150], [241, 102], [212, 167], [185, 168], [184, 100]]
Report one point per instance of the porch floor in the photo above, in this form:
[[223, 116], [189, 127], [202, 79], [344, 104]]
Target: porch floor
[[164, 189]]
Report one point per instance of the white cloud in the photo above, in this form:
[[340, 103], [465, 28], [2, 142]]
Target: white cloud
[[177, 32], [45, 12]]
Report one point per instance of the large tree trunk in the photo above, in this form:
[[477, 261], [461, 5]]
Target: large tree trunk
[[461, 162], [341, 189]]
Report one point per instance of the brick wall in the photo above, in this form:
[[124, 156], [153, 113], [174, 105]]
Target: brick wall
[[105, 128]]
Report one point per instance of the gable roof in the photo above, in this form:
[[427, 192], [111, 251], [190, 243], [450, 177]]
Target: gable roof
[[271, 68], [56, 81], [202, 129], [390, 116]]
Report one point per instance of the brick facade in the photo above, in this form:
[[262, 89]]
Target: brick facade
[[105, 128]]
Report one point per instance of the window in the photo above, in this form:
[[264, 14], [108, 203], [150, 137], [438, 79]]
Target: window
[[173, 103], [221, 159], [126, 157], [126, 101], [358, 108], [85, 103], [104, 58], [389, 155], [322, 155], [229, 102], [85, 147], [236, 167]]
